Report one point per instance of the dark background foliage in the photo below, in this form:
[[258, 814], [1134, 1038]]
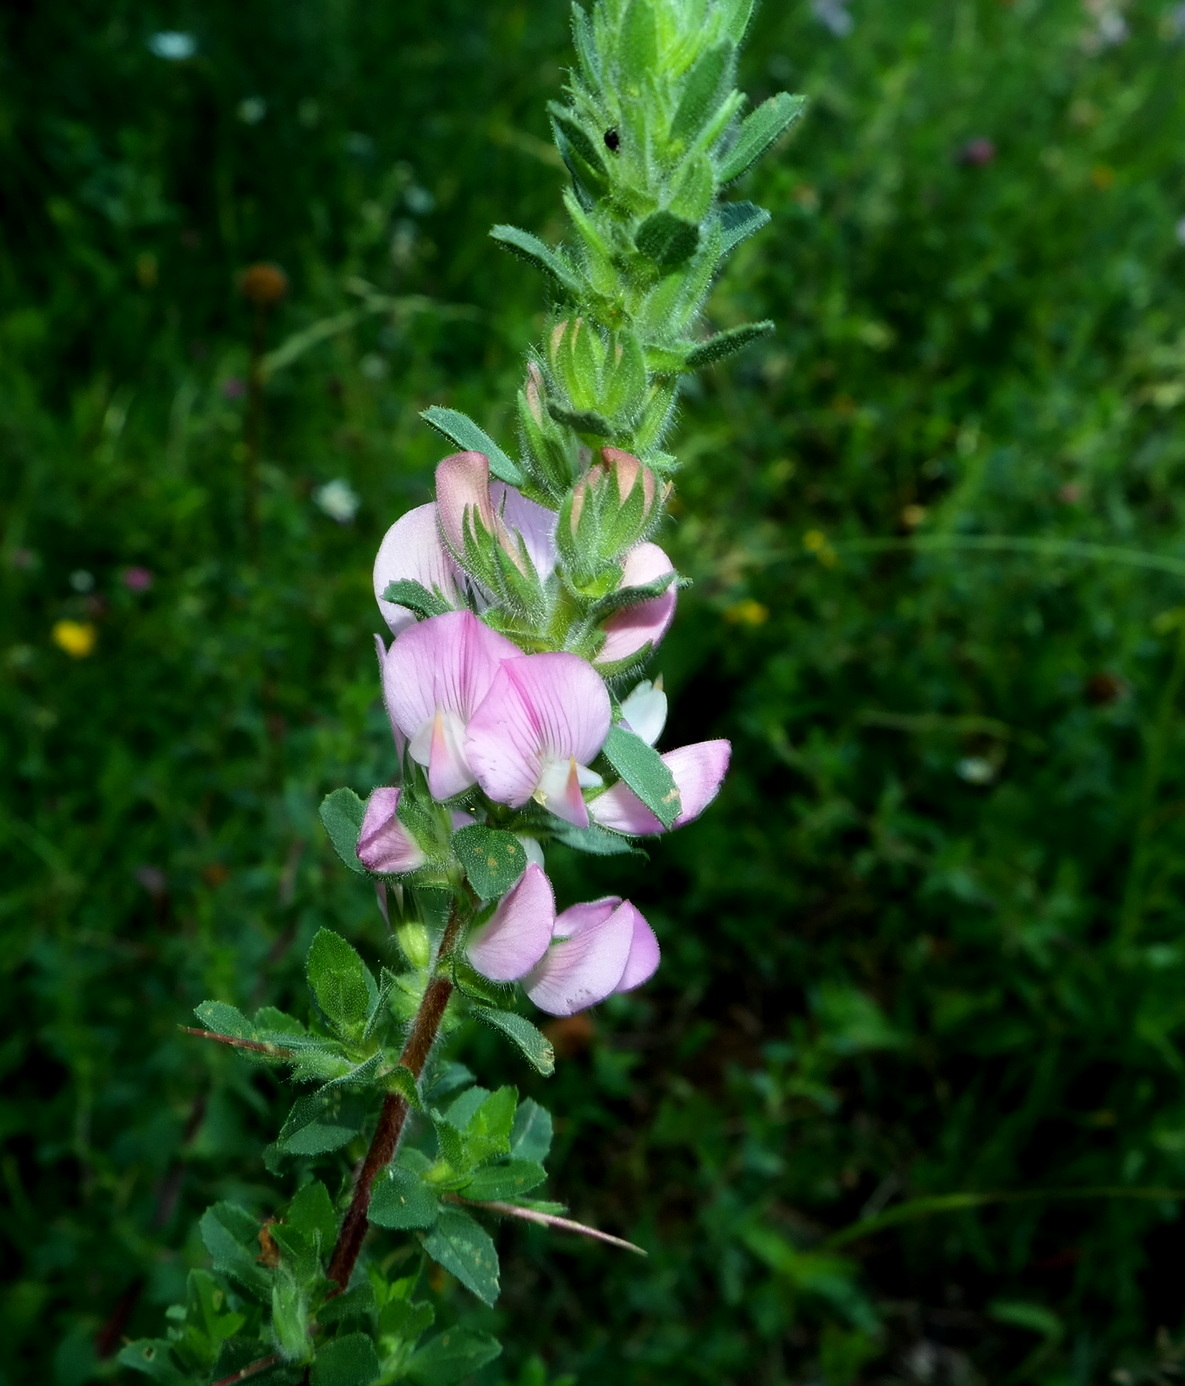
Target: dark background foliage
[[928, 941]]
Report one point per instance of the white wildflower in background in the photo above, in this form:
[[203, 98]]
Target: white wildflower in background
[[1110, 26], [833, 15], [252, 110], [338, 500], [172, 45]]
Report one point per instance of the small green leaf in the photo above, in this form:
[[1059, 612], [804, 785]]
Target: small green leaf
[[506, 1181], [532, 1043], [403, 1081], [529, 247], [637, 43], [401, 1200], [451, 1356], [530, 1136], [487, 1133], [582, 420], [348, 1361], [416, 597], [290, 1318], [666, 239], [341, 813], [493, 860], [339, 980], [465, 1249], [739, 221], [641, 767], [355, 1303], [758, 131], [460, 429], [316, 1125], [312, 1214], [154, 1357], [622, 597], [224, 1020], [597, 842], [460, 1110], [580, 151], [703, 90], [727, 343], [231, 1235], [401, 1318]]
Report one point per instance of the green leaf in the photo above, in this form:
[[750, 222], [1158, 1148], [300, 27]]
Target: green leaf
[[582, 420], [401, 1200], [154, 1357], [528, 247], [580, 151], [451, 1356], [487, 1133], [231, 1235], [493, 860], [339, 980], [532, 1043], [400, 1318], [355, 1303], [403, 1081], [597, 842], [460, 429], [641, 767], [316, 1124], [290, 1318], [666, 239], [312, 1214], [637, 43], [224, 1020], [460, 1110], [348, 1361], [758, 131], [727, 344], [466, 1250], [341, 813], [703, 90], [530, 1136], [416, 597], [739, 221], [623, 597], [507, 1181]]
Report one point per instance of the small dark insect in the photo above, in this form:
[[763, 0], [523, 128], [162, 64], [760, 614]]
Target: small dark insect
[[612, 140]]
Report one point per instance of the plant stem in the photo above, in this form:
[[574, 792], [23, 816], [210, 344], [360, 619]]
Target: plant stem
[[385, 1142]]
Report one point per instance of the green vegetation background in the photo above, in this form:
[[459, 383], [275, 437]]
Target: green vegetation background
[[928, 942]]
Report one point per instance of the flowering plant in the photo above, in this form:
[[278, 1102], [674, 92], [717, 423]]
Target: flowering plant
[[522, 605]]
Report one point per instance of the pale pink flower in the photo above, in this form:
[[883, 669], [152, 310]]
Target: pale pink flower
[[411, 551], [600, 948], [629, 632], [516, 936]]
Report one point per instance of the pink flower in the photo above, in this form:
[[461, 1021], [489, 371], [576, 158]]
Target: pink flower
[[698, 771], [384, 844], [474, 512], [603, 947], [519, 931], [137, 579], [629, 632], [543, 720], [435, 676], [411, 551]]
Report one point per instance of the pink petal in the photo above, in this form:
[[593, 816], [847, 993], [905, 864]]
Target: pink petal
[[463, 497], [627, 632], [644, 953], [384, 844], [380, 649], [534, 524], [517, 935], [698, 770], [540, 709], [588, 962], [411, 550]]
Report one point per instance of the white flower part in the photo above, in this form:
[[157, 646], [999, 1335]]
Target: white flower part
[[645, 710], [534, 850], [338, 500]]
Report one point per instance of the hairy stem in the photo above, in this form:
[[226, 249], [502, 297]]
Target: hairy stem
[[385, 1142]]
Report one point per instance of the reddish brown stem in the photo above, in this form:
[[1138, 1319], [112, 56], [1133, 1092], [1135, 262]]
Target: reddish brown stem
[[251, 1369], [391, 1119], [273, 1051]]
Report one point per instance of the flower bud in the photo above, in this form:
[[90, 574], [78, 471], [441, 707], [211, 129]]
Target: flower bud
[[549, 454], [611, 509]]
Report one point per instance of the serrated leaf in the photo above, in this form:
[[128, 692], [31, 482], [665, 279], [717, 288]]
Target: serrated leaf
[[466, 1250], [703, 90], [460, 1110], [727, 344], [532, 1044], [597, 842], [348, 1361], [311, 1213], [224, 1020], [758, 131], [403, 1081], [666, 239], [470, 437], [416, 597], [451, 1356], [339, 980], [506, 1181], [493, 859], [231, 1235], [739, 221], [154, 1357], [641, 767], [272, 1021], [400, 1318], [530, 1136], [487, 1133], [341, 813], [529, 247], [355, 1303], [401, 1200], [316, 1124]]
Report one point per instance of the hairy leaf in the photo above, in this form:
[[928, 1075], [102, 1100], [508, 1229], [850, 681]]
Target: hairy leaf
[[758, 131], [341, 813], [493, 860], [451, 1356], [470, 437], [641, 767], [464, 1248], [532, 1043]]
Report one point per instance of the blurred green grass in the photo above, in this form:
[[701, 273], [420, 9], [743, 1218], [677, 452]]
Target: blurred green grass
[[928, 943]]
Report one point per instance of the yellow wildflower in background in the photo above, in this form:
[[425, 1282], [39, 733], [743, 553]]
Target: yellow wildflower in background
[[77, 638], [747, 613], [815, 541]]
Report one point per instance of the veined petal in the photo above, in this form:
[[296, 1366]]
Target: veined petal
[[559, 790], [518, 934], [384, 844], [540, 709], [446, 663], [644, 953], [411, 551], [463, 486], [645, 710], [400, 740], [533, 524], [628, 631], [589, 960], [698, 770]]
